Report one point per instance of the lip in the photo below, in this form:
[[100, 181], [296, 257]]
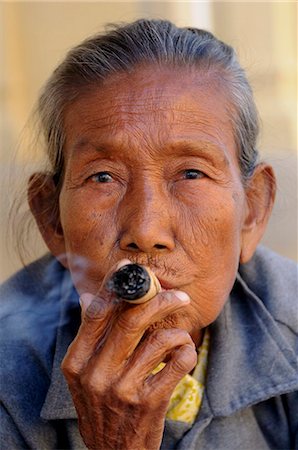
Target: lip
[[166, 284]]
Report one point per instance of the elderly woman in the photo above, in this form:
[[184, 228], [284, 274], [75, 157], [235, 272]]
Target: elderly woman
[[151, 136]]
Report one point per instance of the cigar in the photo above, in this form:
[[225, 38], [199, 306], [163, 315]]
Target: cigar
[[134, 283]]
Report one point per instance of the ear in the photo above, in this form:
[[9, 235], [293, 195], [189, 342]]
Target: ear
[[260, 195], [43, 198]]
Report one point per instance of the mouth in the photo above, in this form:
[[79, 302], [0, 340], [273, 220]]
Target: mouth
[[165, 283]]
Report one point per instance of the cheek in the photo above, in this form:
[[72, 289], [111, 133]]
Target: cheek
[[85, 223], [212, 237], [211, 221], [84, 212]]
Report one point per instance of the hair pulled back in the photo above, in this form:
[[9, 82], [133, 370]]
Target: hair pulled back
[[125, 47]]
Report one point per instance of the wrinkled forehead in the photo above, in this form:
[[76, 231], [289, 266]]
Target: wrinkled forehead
[[153, 104]]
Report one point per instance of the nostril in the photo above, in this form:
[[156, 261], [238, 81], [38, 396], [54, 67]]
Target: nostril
[[160, 246], [132, 245]]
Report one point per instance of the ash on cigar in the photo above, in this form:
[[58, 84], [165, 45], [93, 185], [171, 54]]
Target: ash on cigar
[[130, 282]]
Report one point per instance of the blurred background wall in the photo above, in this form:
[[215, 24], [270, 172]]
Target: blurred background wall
[[34, 36]]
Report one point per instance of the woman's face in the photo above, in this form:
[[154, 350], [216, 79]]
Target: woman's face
[[152, 175]]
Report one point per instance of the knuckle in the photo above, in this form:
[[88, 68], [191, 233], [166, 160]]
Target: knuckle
[[69, 370], [96, 310], [185, 359], [182, 336], [172, 337], [126, 394], [129, 323], [91, 382], [158, 338]]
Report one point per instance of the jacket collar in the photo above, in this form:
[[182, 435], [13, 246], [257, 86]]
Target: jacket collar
[[249, 359]]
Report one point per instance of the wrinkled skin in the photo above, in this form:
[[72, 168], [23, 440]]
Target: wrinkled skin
[[151, 175]]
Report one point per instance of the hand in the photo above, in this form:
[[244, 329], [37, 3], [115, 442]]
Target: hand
[[120, 404]]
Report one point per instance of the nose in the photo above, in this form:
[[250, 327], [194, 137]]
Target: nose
[[147, 225]]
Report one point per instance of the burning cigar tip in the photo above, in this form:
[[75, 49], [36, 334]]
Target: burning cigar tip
[[134, 283]]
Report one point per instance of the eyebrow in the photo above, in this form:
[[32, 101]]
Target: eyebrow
[[83, 145], [215, 153], [208, 150]]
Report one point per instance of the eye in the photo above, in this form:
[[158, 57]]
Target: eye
[[101, 177], [192, 174]]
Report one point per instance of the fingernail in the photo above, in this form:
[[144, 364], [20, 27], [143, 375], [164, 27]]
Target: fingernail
[[85, 300], [183, 296]]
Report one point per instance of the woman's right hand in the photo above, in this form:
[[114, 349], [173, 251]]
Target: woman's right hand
[[120, 404]]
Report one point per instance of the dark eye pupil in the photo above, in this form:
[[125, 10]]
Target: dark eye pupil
[[103, 177], [192, 174]]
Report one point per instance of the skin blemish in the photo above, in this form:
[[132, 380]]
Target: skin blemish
[[235, 197]]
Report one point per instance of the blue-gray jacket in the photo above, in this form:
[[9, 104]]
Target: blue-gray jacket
[[250, 400]]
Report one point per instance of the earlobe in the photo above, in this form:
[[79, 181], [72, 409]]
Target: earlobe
[[260, 195], [43, 198]]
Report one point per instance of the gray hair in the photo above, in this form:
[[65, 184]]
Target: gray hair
[[123, 48]]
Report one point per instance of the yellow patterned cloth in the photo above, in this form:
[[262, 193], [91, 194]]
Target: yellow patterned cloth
[[187, 397]]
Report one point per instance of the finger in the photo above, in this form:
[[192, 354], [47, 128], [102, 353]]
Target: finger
[[182, 361], [131, 324], [90, 334], [157, 346], [97, 317]]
